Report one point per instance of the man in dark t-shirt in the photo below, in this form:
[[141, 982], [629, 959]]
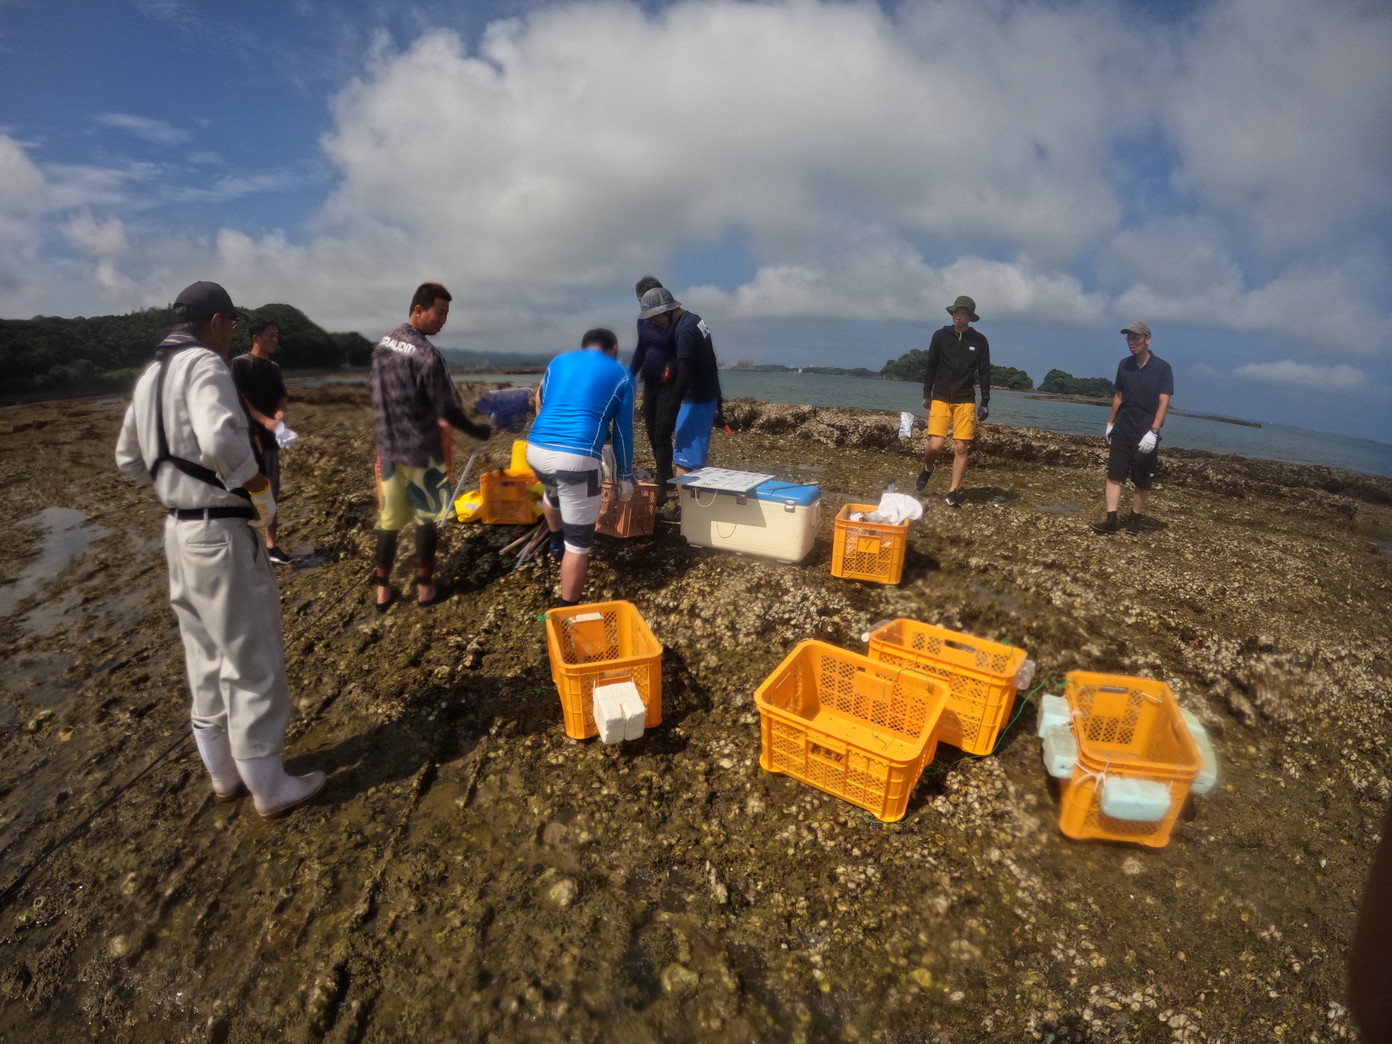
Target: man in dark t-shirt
[[959, 358], [655, 364], [696, 396], [262, 388], [1144, 387]]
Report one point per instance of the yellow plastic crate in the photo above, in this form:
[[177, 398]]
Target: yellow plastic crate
[[507, 497], [857, 729], [596, 644], [979, 673], [1128, 727], [867, 550]]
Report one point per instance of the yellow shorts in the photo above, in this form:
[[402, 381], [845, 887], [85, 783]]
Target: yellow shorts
[[959, 416], [405, 492]]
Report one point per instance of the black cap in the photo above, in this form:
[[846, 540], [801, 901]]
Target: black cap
[[203, 300]]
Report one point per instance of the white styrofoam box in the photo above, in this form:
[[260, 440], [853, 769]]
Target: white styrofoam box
[[608, 712], [776, 520], [619, 712], [1053, 710], [1207, 778], [1135, 800], [634, 713], [1060, 751]]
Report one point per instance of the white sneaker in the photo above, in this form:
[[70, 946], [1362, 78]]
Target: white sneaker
[[273, 790], [216, 751]]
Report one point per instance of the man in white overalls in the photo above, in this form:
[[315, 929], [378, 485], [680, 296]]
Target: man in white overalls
[[185, 430]]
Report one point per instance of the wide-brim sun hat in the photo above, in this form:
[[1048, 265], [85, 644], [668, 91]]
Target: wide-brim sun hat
[[964, 302], [657, 301]]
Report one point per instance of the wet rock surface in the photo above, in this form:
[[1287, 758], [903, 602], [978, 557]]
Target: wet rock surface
[[471, 874]]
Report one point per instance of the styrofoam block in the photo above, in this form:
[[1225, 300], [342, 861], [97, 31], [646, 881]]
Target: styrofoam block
[[1053, 710], [1207, 778], [1060, 751], [1135, 800], [609, 712], [635, 714], [619, 711]]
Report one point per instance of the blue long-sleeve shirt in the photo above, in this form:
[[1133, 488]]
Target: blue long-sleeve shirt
[[586, 398]]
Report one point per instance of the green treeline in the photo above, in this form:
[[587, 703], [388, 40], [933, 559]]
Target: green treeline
[[913, 364], [1057, 382], [52, 352]]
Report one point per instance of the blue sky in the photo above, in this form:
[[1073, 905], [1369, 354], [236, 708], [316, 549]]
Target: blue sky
[[817, 179]]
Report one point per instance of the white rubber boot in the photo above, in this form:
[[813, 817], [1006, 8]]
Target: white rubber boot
[[274, 790], [216, 751]]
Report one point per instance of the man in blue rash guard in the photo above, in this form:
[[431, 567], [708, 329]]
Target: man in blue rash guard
[[585, 398]]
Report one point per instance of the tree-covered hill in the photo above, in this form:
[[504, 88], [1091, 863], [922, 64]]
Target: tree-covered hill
[[913, 364], [49, 352], [1057, 382]]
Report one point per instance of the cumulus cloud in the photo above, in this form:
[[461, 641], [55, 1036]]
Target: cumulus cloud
[[1338, 378], [868, 163], [157, 132]]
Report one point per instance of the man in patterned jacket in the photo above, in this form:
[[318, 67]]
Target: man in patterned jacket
[[411, 393]]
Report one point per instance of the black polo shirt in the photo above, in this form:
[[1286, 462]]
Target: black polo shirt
[[1141, 388]]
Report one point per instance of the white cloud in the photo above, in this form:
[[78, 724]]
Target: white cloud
[[23, 196], [1280, 109], [1338, 378], [206, 157], [871, 165], [157, 132]]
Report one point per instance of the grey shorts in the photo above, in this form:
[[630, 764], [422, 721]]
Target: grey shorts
[[571, 482]]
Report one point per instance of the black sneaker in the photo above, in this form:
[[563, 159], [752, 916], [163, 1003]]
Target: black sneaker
[[1108, 527], [921, 482], [279, 557], [1133, 525], [954, 498]]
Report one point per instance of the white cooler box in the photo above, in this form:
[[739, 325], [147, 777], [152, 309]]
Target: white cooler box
[[741, 511]]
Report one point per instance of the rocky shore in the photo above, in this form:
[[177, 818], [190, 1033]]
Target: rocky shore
[[471, 874]]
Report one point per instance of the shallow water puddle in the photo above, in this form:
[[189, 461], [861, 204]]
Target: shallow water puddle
[[65, 538]]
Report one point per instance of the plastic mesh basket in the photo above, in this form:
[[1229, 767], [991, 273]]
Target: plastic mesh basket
[[638, 517], [980, 675], [599, 643], [507, 498], [867, 550], [1129, 727], [850, 726]]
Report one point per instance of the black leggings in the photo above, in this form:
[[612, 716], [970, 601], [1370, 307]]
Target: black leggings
[[657, 404], [427, 538]]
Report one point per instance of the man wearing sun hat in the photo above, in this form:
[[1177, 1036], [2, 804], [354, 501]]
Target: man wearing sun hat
[[958, 359], [186, 432], [1144, 387]]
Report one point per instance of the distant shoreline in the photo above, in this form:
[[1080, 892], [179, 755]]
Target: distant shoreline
[[1089, 401]]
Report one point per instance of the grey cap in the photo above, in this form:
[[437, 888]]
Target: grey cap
[[203, 300], [657, 301], [1137, 328]]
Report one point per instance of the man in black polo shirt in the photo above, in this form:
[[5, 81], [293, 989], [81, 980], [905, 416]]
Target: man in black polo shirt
[[958, 359], [262, 388], [1144, 386]]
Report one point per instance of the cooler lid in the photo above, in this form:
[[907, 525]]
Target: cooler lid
[[722, 480], [787, 493]]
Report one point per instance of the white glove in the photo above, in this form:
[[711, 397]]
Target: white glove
[[625, 490], [1109, 431], [1148, 441], [262, 502], [285, 438]]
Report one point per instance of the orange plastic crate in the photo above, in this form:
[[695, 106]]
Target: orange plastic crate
[[979, 673], [596, 644], [867, 550], [506, 500], [858, 729], [1125, 727], [638, 517]]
